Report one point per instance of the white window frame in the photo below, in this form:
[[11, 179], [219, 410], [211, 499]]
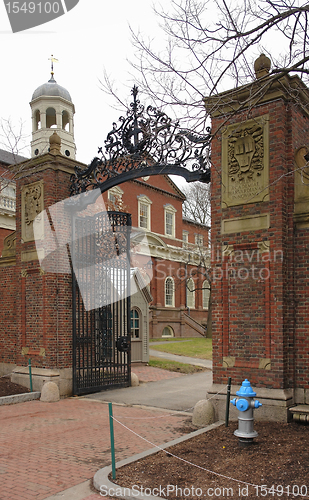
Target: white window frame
[[170, 330], [173, 292], [185, 238], [199, 240], [144, 200], [136, 310], [190, 293], [116, 192], [205, 294], [169, 209]]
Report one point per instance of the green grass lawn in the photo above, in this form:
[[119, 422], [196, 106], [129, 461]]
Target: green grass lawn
[[169, 339], [194, 348], [174, 366]]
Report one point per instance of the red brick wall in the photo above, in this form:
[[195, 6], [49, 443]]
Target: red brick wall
[[37, 312], [254, 319], [8, 315]]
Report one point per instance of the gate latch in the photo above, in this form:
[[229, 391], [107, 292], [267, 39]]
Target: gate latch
[[123, 344]]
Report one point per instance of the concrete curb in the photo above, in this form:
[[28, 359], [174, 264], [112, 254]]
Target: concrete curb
[[100, 479], [19, 398]]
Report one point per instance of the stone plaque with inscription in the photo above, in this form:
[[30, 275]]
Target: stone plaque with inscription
[[245, 162]]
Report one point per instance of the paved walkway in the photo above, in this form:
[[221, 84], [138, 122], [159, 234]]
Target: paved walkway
[[51, 451], [206, 363], [174, 394], [49, 447]]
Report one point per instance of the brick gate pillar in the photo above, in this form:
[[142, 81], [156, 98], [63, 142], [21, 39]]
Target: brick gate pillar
[[257, 130], [43, 298]]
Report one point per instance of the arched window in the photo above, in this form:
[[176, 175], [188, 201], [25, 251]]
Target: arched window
[[190, 294], [206, 293], [51, 121], [169, 292], [65, 121], [135, 323], [37, 120], [168, 331]]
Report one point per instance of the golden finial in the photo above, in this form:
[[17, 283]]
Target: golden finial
[[52, 59]]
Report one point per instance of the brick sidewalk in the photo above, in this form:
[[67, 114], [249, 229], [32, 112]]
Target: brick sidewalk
[[49, 447]]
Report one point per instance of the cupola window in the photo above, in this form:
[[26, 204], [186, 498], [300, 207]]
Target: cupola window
[[51, 118], [38, 124], [65, 121]]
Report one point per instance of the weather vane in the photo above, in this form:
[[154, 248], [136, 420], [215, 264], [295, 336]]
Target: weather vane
[[52, 59]]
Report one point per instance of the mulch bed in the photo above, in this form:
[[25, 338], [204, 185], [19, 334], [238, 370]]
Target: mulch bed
[[7, 388], [278, 458]]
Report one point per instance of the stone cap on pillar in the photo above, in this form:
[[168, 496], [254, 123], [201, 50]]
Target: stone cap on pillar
[[55, 144]]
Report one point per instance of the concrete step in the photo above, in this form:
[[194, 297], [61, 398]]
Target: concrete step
[[300, 413]]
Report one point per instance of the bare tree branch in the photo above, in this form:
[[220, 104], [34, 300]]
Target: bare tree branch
[[197, 204], [207, 47]]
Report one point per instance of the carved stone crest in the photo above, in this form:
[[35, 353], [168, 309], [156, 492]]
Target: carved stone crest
[[31, 208], [245, 162]]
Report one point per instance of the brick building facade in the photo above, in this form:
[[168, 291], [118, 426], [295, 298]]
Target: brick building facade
[[175, 246]]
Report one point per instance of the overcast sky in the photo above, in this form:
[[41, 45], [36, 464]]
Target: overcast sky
[[93, 35]]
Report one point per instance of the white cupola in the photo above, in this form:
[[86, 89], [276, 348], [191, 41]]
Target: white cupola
[[52, 111]]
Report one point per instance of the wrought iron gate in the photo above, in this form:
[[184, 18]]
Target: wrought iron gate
[[101, 302], [147, 142]]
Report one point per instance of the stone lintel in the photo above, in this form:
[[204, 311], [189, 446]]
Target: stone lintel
[[260, 363], [7, 261], [247, 223], [30, 255]]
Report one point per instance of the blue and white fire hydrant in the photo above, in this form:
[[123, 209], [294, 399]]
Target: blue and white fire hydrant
[[245, 404]]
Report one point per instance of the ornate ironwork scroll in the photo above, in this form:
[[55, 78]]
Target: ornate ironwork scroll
[[147, 142]]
